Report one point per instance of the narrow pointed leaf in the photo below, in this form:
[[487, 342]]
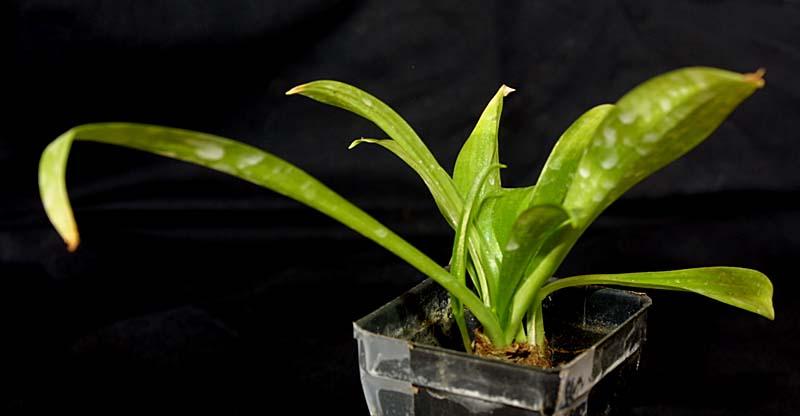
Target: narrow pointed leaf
[[53, 189], [414, 153], [360, 102], [244, 162], [480, 149], [393, 147], [747, 289], [459, 264], [652, 125]]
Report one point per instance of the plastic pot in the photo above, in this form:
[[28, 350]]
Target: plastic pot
[[412, 362]]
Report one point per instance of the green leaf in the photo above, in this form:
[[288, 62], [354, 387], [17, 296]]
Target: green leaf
[[529, 233], [499, 212], [562, 164], [652, 125], [748, 289], [480, 149], [244, 162], [459, 263], [53, 189], [360, 102], [478, 152], [391, 146], [414, 153]]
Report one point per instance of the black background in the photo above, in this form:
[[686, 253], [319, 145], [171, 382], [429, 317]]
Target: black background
[[194, 291]]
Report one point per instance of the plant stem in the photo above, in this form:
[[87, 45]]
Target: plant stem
[[536, 323], [458, 314], [526, 294]]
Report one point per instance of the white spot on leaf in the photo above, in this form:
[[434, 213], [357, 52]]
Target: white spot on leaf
[[650, 138], [610, 135], [610, 161], [665, 104], [249, 160], [584, 172], [627, 117], [209, 151], [381, 233]]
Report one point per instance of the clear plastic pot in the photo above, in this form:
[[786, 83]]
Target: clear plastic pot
[[412, 362]]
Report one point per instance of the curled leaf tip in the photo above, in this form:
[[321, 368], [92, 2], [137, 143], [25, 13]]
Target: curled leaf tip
[[355, 143], [506, 90], [296, 90], [756, 78]]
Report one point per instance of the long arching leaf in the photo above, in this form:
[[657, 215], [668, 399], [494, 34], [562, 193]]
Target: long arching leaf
[[244, 162], [411, 149], [364, 104]]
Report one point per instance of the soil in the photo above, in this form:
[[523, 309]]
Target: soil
[[517, 353]]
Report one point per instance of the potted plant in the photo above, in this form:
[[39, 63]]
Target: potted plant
[[508, 244]]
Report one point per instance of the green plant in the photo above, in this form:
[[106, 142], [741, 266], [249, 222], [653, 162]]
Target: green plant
[[508, 241]]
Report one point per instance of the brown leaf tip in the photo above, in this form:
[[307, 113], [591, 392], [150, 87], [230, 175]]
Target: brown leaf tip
[[756, 78], [72, 244]]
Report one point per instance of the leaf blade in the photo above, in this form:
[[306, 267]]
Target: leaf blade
[[562, 164], [480, 149], [652, 125], [414, 153], [245, 162], [530, 232], [359, 102], [53, 189], [459, 256], [743, 288]]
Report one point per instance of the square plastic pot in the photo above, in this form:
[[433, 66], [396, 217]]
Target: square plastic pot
[[412, 362]]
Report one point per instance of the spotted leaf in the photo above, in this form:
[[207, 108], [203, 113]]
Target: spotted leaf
[[651, 126]]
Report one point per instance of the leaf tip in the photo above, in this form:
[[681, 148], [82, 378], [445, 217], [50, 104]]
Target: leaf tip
[[505, 89], [72, 242], [355, 143], [756, 78], [296, 90]]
